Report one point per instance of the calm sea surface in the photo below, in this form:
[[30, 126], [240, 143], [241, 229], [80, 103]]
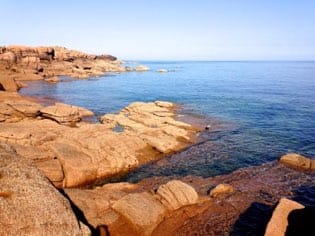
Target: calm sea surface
[[260, 109]]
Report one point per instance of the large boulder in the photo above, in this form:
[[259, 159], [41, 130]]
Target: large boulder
[[127, 211], [29, 204], [298, 161], [176, 194]]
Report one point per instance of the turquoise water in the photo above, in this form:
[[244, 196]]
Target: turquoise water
[[267, 109]]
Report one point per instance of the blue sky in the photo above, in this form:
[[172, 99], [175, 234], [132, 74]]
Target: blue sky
[[166, 29]]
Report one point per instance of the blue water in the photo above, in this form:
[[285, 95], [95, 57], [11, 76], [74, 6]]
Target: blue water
[[270, 107]]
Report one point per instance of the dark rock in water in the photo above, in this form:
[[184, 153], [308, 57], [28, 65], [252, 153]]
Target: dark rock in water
[[301, 222]]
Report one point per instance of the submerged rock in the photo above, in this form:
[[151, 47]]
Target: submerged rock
[[29, 204]]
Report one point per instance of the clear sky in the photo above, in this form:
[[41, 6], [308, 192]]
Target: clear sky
[[166, 29]]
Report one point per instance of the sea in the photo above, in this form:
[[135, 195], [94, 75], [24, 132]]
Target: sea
[[256, 111]]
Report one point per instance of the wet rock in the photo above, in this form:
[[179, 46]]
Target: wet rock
[[29, 204], [298, 161], [278, 223], [221, 189]]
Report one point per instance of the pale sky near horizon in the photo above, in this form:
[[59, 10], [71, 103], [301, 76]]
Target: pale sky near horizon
[[166, 29]]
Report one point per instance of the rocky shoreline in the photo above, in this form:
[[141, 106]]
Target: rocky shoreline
[[24, 63], [53, 165]]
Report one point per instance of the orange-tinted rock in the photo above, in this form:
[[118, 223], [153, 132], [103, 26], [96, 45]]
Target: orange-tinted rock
[[8, 84], [36, 63], [141, 68], [298, 161], [221, 189], [125, 210], [65, 114], [91, 152], [16, 110], [176, 194], [278, 223], [29, 204]]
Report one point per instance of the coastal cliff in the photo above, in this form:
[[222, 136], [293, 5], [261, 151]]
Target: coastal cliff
[[22, 63], [56, 163]]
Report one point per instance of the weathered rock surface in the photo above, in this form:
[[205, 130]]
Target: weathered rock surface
[[298, 161], [154, 123], [8, 84], [246, 211], [176, 194], [14, 110], [73, 156], [35, 63], [65, 114], [278, 223], [125, 211], [29, 204]]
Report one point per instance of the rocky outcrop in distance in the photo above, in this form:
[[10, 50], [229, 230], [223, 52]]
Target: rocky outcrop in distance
[[23, 63]]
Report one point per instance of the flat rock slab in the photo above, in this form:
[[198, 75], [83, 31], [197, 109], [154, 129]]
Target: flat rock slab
[[278, 223], [65, 114], [73, 156]]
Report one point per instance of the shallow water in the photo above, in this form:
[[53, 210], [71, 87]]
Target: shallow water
[[263, 109]]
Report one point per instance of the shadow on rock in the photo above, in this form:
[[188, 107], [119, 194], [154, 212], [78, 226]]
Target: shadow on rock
[[253, 221]]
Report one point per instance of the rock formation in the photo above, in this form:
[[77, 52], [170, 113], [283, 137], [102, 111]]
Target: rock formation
[[278, 223], [125, 212], [65, 114], [35, 63], [298, 161], [29, 204], [141, 68], [83, 153]]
